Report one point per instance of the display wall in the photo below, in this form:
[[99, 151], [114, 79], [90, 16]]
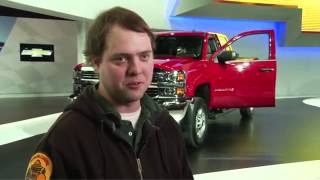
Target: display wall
[[23, 78]]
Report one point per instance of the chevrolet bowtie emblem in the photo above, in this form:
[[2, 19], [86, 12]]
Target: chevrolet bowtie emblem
[[35, 52]]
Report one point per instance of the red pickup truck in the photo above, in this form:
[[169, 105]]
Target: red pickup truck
[[200, 74]]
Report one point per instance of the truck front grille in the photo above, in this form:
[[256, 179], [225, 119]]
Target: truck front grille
[[152, 92], [89, 75]]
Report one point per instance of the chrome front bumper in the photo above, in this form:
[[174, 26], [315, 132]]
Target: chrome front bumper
[[177, 107]]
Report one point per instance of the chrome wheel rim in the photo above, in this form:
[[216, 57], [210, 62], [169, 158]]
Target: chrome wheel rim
[[200, 123]]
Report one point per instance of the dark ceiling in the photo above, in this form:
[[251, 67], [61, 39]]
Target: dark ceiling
[[7, 11]]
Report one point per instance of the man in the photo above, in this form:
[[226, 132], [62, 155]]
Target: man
[[113, 130]]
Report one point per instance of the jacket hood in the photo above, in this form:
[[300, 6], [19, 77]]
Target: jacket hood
[[86, 105]]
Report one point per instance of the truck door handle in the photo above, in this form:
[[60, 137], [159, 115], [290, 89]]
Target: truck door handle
[[266, 69]]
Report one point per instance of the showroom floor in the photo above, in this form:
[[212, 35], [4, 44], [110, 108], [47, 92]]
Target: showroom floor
[[287, 133]]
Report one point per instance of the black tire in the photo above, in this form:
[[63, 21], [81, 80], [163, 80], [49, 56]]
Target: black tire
[[204, 92], [246, 113], [196, 118]]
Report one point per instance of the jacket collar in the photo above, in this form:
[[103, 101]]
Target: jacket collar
[[92, 105], [148, 106]]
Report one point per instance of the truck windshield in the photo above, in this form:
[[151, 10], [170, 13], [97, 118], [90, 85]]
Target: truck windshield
[[178, 46]]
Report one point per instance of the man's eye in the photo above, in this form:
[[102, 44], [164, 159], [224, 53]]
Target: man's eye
[[120, 59], [145, 57]]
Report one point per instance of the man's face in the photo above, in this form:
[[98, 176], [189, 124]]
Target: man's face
[[126, 66]]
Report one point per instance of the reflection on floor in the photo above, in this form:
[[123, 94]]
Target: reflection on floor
[[307, 170], [15, 131], [312, 101], [287, 133]]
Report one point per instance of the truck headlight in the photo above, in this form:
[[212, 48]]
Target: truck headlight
[[180, 91], [170, 83], [173, 91], [180, 76], [173, 76]]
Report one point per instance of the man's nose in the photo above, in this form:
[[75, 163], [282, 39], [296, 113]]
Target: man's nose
[[134, 66]]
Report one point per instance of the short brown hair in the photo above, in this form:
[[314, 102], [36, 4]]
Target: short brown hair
[[100, 28]]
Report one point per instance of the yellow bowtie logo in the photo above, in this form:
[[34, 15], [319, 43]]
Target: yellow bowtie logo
[[34, 52]]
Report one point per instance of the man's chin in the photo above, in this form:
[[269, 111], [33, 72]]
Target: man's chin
[[132, 97]]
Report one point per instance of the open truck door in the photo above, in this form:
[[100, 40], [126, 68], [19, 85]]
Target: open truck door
[[245, 76]]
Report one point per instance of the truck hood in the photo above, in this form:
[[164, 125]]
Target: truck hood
[[172, 64]]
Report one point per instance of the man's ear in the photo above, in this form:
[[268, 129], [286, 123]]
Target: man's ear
[[95, 62]]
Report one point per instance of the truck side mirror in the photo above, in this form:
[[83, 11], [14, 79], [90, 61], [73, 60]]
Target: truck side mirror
[[227, 56]]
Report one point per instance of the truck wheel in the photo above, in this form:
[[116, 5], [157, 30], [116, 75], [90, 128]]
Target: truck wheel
[[246, 112], [197, 117]]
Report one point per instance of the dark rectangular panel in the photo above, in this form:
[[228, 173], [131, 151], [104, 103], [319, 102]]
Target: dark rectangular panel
[[37, 52]]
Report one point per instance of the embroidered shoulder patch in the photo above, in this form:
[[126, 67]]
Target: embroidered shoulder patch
[[39, 168]]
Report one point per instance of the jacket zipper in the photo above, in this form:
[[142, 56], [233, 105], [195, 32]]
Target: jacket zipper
[[138, 159], [136, 156], [130, 147], [139, 168]]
